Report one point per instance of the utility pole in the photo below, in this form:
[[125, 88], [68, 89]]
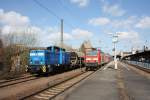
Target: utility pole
[[61, 38]]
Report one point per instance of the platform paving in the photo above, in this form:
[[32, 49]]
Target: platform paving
[[137, 86], [100, 86], [103, 85]]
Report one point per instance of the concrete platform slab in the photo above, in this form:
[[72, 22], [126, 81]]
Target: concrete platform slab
[[111, 84], [137, 86], [100, 86]]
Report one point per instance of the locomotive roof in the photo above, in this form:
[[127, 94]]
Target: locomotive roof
[[56, 47]]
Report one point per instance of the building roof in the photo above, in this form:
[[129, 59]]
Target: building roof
[[138, 54]]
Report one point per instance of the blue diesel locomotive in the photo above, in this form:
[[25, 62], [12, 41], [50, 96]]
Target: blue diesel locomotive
[[52, 59]]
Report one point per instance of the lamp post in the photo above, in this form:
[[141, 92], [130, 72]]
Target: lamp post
[[115, 40]]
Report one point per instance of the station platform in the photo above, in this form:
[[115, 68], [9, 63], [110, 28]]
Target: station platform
[[110, 84]]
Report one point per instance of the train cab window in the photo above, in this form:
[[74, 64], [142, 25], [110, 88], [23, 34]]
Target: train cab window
[[91, 53], [55, 49]]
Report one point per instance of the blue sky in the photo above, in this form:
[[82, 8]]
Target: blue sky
[[83, 20]]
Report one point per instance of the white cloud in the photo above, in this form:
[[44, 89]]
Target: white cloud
[[13, 22], [12, 18], [127, 23], [114, 10], [53, 36], [6, 29], [17, 24], [99, 21], [130, 38], [131, 22], [56, 36], [80, 33], [80, 3], [50, 36], [144, 23], [129, 35], [124, 23]]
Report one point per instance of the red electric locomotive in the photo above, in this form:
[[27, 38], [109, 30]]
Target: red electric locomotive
[[95, 58], [92, 58]]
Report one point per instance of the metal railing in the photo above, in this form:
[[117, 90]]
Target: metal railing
[[140, 64]]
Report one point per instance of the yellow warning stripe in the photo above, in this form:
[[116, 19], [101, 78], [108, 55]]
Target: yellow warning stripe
[[44, 68]]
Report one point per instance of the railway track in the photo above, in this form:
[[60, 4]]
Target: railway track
[[52, 92], [18, 78], [5, 83]]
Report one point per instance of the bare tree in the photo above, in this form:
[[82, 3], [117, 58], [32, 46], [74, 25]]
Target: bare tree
[[16, 49]]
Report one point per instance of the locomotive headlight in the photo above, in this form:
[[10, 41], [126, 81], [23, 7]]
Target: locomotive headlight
[[30, 61]]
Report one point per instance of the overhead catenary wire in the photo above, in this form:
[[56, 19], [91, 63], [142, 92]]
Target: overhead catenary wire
[[52, 13], [68, 10], [47, 9]]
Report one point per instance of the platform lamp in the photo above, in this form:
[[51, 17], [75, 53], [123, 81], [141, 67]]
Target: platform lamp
[[115, 41]]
